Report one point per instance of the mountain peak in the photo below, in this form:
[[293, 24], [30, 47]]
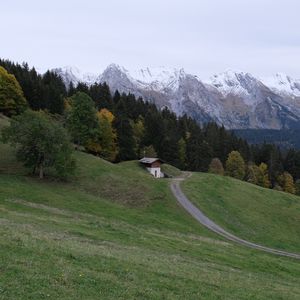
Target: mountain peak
[[159, 78], [233, 98], [234, 82], [283, 84], [115, 67], [73, 74]]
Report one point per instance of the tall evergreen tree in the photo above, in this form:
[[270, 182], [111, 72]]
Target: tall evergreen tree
[[82, 122], [125, 140]]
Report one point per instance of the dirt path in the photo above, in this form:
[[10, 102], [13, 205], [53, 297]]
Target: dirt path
[[204, 220]]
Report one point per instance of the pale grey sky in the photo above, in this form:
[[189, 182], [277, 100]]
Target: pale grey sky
[[202, 36]]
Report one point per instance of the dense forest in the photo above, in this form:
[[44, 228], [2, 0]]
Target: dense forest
[[284, 138], [122, 127]]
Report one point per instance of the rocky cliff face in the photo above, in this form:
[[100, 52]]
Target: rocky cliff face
[[237, 100]]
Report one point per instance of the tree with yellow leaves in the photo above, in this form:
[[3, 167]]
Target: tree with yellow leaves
[[12, 100], [235, 165], [107, 135], [286, 181], [264, 178]]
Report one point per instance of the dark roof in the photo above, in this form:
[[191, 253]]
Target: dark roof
[[149, 160]]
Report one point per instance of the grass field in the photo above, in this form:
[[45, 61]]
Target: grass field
[[170, 170], [260, 215], [114, 232]]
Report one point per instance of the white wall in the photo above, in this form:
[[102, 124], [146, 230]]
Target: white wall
[[155, 171]]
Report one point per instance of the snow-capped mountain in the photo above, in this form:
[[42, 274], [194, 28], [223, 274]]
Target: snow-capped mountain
[[73, 74], [283, 84], [237, 100]]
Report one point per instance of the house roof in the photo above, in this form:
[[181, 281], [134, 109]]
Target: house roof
[[149, 160]]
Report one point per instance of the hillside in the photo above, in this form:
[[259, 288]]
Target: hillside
[[256, 214], [285, 139], [114, 232]]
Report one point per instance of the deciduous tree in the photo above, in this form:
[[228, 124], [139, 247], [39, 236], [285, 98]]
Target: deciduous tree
[[41, 143], [235, 165], [12, 100], [286, 181], [107, 135], [216, 167]]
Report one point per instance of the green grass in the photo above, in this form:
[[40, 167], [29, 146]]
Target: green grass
[[260, 215], [170, 170], [115, 232]]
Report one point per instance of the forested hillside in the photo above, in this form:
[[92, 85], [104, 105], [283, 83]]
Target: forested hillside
[[284, 138], [120, 127]]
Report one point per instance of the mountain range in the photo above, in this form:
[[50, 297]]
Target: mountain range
[[237, 100]]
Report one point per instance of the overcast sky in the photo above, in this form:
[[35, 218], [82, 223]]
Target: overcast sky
[[202, 36]]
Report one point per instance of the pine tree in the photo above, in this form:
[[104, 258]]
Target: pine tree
[[116, 97], [182, 153], [82, 122], [104, 98], [149, 151], [292, 163], [53, 92], [138, 130], [125, 140]]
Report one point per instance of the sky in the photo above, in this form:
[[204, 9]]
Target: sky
[[202, 36]]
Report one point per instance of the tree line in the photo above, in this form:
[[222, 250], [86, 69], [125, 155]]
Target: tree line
[[118, 126]]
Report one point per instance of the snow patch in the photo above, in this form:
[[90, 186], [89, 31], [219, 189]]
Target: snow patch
[[283, 84]]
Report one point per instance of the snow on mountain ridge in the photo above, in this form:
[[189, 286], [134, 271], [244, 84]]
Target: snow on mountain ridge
[[161, 78], [235, 99], [283, 84], [237, 83], [72, 73]]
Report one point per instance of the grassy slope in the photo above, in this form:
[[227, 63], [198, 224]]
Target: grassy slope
[[261, 215], [114, 232], [170, 170]]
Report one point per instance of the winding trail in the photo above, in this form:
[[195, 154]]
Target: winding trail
[[208, 223]]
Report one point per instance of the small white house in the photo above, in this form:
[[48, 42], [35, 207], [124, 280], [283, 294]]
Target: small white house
[[153, 166]]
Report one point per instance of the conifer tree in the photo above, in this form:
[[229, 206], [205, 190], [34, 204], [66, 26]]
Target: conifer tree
[[149, 151], [125, 140], [138, 130], [182, 153], [82, 122]]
